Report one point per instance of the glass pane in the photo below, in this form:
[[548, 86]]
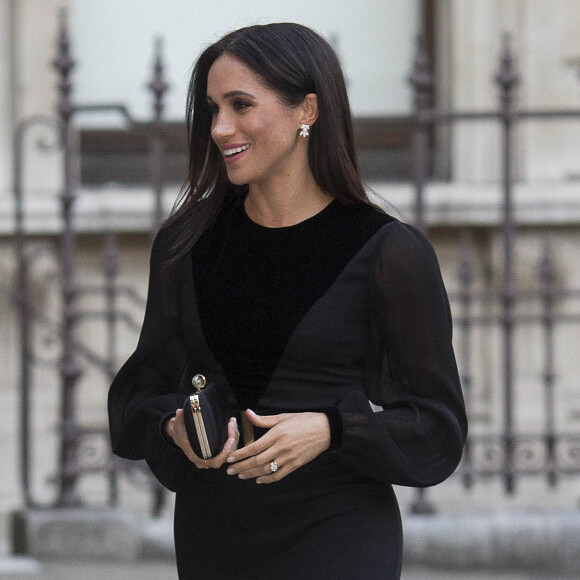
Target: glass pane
[[113, 44]]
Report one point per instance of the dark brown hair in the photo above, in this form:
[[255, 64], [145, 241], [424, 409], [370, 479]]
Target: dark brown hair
[[293, 61]]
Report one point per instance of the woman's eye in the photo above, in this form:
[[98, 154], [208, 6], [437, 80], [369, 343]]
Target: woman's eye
[[241, 105]]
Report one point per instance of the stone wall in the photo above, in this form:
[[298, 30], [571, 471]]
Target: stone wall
[[547, 48]]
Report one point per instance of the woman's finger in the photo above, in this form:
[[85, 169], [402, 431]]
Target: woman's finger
[[269, 463], [263, 442], [277, 475], [229, 446], [264, 421]]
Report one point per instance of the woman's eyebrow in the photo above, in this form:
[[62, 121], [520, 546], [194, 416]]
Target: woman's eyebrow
[[231, 94], [238, 94]]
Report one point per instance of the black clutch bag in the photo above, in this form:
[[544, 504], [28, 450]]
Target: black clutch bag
[[206, 413]]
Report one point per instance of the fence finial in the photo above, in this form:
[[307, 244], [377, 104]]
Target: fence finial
[[64, 63], [158, 86], [421, 78], [507, 77]]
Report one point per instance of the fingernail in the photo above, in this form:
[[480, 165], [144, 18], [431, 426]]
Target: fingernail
[[253, 412], [241, 476], [231, 471], [235, 422], [231, 459], [258, 481], [230, 442]]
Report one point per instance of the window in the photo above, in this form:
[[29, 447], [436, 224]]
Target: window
[[378, 87]]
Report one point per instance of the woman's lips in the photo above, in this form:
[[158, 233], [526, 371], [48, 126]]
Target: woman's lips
[[232, 154]]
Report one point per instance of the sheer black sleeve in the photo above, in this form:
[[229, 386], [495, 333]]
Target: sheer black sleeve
[[417, 439], [147, 387]]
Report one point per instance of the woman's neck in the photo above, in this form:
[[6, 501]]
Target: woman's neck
[[285, 205]]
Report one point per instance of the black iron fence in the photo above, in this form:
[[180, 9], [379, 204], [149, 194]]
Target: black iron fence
[[492, 310], [77, 353], [500, 310]]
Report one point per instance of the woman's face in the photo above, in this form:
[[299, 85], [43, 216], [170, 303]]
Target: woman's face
[[256, 134]]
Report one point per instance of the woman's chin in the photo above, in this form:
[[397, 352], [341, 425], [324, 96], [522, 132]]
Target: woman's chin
[[236, 179]]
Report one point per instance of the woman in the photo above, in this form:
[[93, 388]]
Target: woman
[[278, 278]]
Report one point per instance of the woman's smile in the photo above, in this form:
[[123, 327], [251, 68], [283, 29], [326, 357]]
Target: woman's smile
[[232, 153]]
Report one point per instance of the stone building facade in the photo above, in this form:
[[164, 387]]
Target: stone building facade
[[464, 195]]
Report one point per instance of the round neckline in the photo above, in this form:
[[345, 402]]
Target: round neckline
[[293, 227]]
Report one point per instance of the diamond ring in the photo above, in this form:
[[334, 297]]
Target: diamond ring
[[273, 466]]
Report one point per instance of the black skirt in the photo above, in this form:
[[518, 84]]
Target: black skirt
[[320, 522]]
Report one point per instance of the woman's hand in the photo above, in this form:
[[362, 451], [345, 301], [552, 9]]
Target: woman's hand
[[175, 428], [293, 440]]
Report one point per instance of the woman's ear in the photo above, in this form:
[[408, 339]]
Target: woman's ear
[[310, 109]]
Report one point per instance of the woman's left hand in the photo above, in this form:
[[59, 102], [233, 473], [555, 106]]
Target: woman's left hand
[[293, 440]]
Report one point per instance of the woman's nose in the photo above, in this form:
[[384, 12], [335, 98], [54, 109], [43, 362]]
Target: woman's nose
[[222, 127]]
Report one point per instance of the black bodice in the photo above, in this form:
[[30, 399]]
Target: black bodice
[[254, 284]]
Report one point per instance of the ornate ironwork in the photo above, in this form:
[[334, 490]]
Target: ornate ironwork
[[507, 79], [23, 300], [69, 366], [510, 453], [83, 449]]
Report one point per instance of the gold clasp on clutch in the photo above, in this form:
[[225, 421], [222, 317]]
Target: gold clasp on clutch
[[198, 382]]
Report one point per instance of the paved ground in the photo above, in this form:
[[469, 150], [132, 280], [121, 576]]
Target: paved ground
[[166, 571]]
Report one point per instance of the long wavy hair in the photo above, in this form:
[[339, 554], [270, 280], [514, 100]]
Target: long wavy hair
[[293, 61]]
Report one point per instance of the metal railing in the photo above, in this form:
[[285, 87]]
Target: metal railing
[[508, 453], [74, 349]]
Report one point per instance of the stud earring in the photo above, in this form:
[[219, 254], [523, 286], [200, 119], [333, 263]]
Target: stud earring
[[304, 130]]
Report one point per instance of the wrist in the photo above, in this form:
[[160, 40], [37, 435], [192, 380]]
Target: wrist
[[335, 427], [167, 428], [324, 429]]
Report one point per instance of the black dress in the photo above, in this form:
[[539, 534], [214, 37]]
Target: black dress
[[345, 307]]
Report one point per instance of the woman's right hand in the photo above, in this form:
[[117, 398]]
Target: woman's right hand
[[175, 428]]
